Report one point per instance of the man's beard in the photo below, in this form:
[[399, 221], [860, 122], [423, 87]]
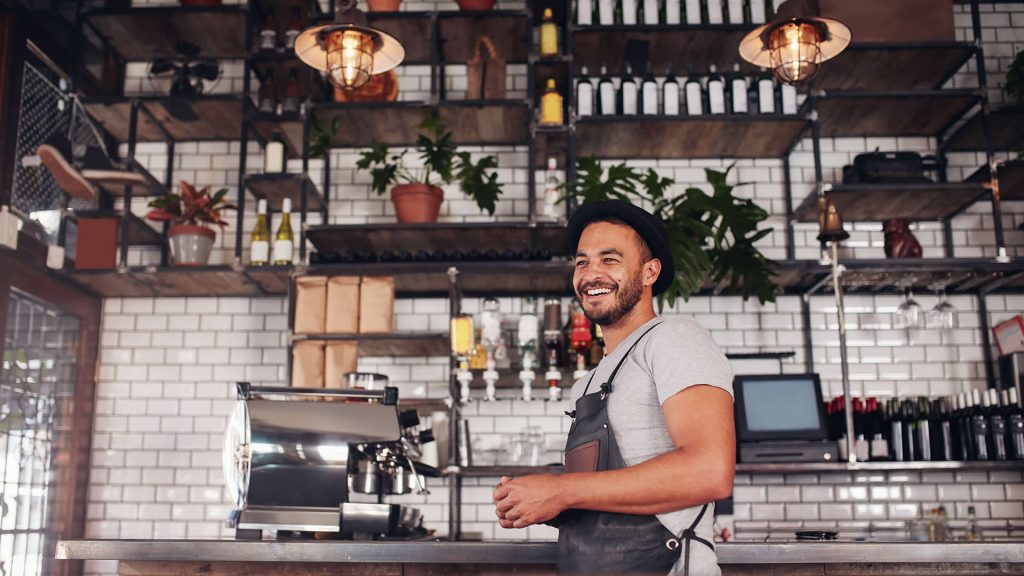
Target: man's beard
[[626, 298]]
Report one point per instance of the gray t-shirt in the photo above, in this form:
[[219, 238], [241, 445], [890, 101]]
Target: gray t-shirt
[[672, 357]]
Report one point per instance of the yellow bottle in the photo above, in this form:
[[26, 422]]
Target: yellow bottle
[[548, 35], [284, 240], [478, 361], [259, 249], [551, 106], [462, 335]]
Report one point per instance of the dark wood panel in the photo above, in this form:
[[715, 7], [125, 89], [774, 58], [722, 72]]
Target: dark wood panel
[[114, 117], [678, 46], [144, 33], [412, 29], [880, 202], [1007, 131], [395, 344], [460, 31], [487, 123], [727, 136], [377, 238], [901, 114], [893, 66], [185, 119], [276, 187], [208, 281], [273, 280], [1011, 179]]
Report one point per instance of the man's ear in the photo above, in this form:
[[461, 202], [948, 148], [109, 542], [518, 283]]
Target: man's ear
[[652, 269]]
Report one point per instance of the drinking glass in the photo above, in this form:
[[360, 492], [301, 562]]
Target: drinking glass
[[909, 315], [943, 315]]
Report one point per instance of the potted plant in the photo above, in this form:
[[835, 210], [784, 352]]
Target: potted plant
[[712, 236], [417, 194], [470, 5], [190, 212], [383, 5]]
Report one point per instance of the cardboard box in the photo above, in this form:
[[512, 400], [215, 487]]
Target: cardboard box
[[308, 364], [310, 304], [342, 358], [342, 305], [97, 244], [376, 304]]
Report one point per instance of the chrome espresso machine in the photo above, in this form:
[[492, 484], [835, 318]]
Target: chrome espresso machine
[[303, 461]]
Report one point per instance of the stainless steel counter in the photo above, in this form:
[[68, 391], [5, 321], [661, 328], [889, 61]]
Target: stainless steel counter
[[439, 552]]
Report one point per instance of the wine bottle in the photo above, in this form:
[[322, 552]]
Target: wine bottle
[[788, 99], [735, 8], [606, 94], [268, 32], [714, 9], [996, 426], [259, 245], [896, 441], [758, 12], [909, 420], [673, 12], [284, 240], [766, 92], [694, 95], [716, 92], [294, 29], [693, 12], [629, 8], [979, 428], [923, 448], [267, 93], [606, 12], [273, 154], [1014, 425], [551, 106], [670, 94], [739, 95], [651, 10], [553, 341], [584, 95], [548, 34], [942, 446], [292, 93], [649, 94], [628, 95], [963, 424], [584, 12]]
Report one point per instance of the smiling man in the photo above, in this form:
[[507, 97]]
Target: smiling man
[[651, 445]]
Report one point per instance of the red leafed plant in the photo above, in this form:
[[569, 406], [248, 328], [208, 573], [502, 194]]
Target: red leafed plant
[[191, 206]]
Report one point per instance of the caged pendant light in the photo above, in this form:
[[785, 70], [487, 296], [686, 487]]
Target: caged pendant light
[[794, 45], [348, 49]]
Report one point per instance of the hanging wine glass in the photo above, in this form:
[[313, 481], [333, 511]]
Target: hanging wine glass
[[909, 315], [943, 316]]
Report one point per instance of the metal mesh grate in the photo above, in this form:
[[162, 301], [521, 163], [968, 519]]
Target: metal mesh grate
[[36, 379]]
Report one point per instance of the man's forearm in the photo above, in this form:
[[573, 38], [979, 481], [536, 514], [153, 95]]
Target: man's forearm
[[669, 482]]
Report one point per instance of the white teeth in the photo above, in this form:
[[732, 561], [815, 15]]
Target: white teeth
[[598, 291]]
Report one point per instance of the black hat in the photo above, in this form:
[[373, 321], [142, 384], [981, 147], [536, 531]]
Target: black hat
[[646, 225]]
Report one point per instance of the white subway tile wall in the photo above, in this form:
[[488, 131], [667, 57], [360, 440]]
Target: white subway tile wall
[[168, 365]]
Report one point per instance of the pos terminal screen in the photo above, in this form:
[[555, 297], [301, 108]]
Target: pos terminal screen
[[779, 407]]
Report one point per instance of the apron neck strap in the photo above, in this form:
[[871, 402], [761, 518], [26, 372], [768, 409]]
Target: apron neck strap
[[607, 386]]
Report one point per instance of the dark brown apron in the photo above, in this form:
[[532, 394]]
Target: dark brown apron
[[596, 542]]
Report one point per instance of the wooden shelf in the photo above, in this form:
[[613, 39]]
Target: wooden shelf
[[459, 31], [153, 187], [201, 118], [961, 275], [412, 29], [472, 122], [670, 45], [431, 238], [152, 282], [881, 202], [1011, 179], [395, 344], [139, 232], [725, 136], [276, 187], [141, 34], [1007, 129], [904, 66], [909, 113]]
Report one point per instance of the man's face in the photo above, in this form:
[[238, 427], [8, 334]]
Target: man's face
[[608, 277]]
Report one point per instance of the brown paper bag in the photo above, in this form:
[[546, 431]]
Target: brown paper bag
[[310, 304], [485, 72], [342, 305], [376, 304], [308, 364], [342, 358]]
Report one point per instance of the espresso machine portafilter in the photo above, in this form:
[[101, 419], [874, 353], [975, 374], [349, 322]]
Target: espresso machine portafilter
[[295, 465]]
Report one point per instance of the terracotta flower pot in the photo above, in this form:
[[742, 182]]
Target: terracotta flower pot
[[417, 203], [476, 4], [190, 244], [383, 5], [200, 2]]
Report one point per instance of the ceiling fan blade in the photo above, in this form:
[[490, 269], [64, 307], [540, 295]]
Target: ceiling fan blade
[[161, 66], [187, 49], [207, 69]]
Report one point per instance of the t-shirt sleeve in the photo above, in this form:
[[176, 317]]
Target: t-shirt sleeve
[[683, 354]]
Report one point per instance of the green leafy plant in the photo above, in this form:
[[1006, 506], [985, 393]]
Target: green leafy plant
[[191, 206], [1015, 79], [712, 236], [442, 164], [320, 138]]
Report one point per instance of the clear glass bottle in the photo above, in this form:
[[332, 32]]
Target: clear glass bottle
[[628, 93], [694, 93], [584, 12], [273, 154], [739, 92], [649, 94], [552, 192], [584, 95], [268, 32], [606, 94], [716, 92], [972, 532], [284, 240], [670, 94]]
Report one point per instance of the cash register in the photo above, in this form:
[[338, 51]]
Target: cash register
[[781, 418]]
